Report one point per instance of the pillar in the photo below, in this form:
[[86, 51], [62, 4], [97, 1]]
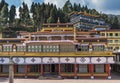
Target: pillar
[[75, 71], [0, 68], [15, 68], [108, 70], [91, 69], [29, 37], [41, 69], [26, 71], [59, 70]]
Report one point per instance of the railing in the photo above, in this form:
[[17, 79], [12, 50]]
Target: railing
[[102, 53]]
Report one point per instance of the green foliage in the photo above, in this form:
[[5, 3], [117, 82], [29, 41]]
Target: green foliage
[[67, 8], [12, 14], [45, 13], [4, 14], [24, 14]]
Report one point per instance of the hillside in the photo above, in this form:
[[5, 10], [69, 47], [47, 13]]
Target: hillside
[[44, 13]]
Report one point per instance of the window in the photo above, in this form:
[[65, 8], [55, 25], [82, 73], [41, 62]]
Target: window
[[5, 68], [84, 48], [98, 48], [103, 34], [46, 68], [110, 48], [83, 69], [99, 69], [51, 48], [7, 48], [116, 41], [116, 34], [34, 68], [67, 68], [107, 34], [20, 68], [111, 34], [110, 41], [21, 48], [34, 48], [117, 48]]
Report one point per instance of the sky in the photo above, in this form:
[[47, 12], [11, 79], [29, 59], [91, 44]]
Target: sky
[[105, 6]]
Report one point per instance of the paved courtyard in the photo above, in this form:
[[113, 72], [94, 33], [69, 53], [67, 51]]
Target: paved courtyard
[[115, 79], [59, 81]]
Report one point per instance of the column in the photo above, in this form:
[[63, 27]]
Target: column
[[91, 69], [0, 68], [15, 68], [26, 71], [41, 69], [59, 70], [75, 71], [108, 70]]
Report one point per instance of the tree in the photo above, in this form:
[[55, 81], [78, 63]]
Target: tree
[[24, 14], [86, 9], [115, 24], [77, 7], [61, 16], [67, 8], [51, 19], [12, 14], [2, 3], [4, 14], [47, 12]]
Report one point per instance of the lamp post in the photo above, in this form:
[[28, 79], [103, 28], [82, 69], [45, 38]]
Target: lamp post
[[11, 71]]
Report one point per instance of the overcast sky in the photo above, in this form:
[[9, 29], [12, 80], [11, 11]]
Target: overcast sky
[[106, 6]]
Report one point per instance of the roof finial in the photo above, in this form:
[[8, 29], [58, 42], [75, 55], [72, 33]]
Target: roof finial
[[58, 20]]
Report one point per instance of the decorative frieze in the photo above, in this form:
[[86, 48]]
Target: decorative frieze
[[67, 60], [57, 60], [82, 60], [98, 60], [50, 60]]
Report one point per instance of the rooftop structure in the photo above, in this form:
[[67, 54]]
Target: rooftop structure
[[86, 22]]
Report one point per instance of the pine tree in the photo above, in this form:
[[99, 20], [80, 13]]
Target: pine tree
[[24, 14], [51, 19], [4, 14], [115, 24], [12, 14], [2, 3], [67, 8]]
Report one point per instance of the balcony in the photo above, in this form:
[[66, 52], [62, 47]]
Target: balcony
[[57, 54]]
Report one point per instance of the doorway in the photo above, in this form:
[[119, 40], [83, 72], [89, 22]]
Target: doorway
[[50, 69], [53, 68]]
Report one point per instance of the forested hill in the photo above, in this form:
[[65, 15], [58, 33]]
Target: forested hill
[[112, 16], [44, 13]]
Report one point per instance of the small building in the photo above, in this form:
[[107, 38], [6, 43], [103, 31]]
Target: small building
[[113, 38]]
